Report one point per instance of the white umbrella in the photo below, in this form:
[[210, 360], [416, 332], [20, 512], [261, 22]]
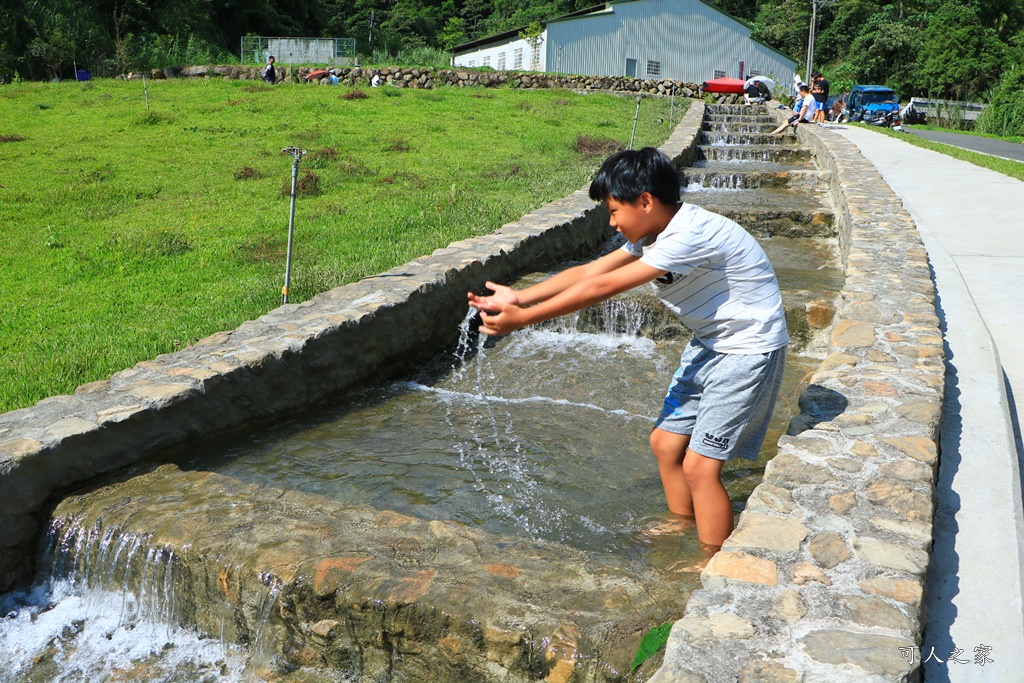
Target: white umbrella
[[764, 79]]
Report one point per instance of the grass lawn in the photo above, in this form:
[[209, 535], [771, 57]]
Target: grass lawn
[[130, 232]]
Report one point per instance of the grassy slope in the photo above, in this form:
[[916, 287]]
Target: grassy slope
[[126, 233]]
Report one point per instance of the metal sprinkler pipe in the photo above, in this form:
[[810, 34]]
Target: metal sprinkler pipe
[[297, 156], [635, 118]]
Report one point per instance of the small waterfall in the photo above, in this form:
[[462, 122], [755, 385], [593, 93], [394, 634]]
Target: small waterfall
[[107, 607]]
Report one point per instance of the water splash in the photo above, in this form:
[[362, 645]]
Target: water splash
[[106, 608], [492, 447]]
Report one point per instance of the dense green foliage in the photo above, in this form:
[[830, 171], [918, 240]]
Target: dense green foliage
[[129, 231], [936, 48]]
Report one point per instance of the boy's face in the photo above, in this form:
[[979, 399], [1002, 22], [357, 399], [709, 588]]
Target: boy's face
[[633, 220]]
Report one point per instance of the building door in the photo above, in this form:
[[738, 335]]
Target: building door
[[630, 68]]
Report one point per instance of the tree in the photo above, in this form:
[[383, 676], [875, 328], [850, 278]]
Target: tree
[[959, 56], [453, 33]]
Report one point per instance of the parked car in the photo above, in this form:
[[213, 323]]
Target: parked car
[[872, 104]]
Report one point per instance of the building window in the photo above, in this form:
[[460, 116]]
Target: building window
[[653, 68], [719, 73], [487, 60], [501, 61], [472, 62], [517, 59]]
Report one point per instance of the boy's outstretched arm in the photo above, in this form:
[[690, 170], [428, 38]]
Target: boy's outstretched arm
[[550, 287], [500, 314]]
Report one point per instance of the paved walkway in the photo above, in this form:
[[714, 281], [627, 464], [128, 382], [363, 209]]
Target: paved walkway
[[975, 143], [972, 223]]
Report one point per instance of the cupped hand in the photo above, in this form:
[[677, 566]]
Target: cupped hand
[[494, 303], [509, 319]]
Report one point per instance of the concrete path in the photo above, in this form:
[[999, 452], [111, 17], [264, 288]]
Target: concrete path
[[997, 148], [972, 223]]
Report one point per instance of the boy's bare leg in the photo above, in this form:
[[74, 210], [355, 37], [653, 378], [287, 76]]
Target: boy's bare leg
[[669, 449], [711, 503]]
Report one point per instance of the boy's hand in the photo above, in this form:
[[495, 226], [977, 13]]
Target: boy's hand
[[500, 312], [509, 319], [503, 296]]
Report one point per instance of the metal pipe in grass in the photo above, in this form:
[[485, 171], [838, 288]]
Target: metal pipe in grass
[[297, 156], [636, 116]]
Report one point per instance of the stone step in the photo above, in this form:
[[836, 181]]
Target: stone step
[[744, 126], [740, 138], [716, 119], [771, 212], [718, 175], [375, 592], [736, 109], [776, 153]]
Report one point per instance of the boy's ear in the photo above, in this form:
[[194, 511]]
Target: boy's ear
[[645, 201]]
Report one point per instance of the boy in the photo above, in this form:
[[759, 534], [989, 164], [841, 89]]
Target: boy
[[806, 110], [716, 278]]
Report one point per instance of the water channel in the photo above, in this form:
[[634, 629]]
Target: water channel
[[532, 446]]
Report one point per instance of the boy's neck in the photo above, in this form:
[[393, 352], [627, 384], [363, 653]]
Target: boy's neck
[[666, 212]]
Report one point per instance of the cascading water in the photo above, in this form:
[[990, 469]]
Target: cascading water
[[500, 496]]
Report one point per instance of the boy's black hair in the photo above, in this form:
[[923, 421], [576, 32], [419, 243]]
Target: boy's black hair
[[626, 175]]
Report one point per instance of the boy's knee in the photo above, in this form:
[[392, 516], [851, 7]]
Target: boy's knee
[[667, 445], [701, 470]]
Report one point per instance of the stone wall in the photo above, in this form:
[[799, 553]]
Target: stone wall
[[409, 77], [289, 358], [824, 576]]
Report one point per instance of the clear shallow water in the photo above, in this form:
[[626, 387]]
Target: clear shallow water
[[542, 433]]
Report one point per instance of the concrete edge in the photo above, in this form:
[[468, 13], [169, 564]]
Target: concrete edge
[[969, 541], [290, 358]]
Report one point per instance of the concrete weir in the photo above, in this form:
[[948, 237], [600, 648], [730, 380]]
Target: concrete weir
[[822, 578]]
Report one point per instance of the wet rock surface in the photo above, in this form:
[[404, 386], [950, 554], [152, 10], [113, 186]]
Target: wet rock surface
[[374, 592]]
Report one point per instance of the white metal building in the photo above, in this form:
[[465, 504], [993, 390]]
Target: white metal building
[[683, 40]]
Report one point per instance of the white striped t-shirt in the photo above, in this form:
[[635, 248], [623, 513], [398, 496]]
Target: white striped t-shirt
[[719, 282]]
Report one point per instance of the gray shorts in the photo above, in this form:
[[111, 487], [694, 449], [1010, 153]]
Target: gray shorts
[[724, 400]]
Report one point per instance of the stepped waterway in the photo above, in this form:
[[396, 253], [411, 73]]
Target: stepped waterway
[[485, 518]]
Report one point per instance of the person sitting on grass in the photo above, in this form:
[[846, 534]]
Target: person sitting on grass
[[806, 109], [718, 281]]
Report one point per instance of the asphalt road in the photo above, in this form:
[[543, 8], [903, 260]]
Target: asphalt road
[[975, 143]]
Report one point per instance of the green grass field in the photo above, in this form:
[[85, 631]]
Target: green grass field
[[130, 232]]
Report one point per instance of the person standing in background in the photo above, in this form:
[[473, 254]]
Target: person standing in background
[[269, 72], [820, 90]]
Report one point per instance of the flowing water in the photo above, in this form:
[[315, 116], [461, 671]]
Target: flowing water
[[540, 435]]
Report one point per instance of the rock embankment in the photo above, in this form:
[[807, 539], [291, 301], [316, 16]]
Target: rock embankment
[[427, 78]]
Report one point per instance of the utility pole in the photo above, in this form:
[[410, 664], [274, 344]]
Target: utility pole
[[811, 36]]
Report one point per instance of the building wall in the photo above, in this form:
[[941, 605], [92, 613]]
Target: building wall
[[502, 56], [683, 40]]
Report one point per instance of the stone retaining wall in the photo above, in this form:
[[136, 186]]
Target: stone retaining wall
[[408, 77], [824, 576], [289, 358]]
